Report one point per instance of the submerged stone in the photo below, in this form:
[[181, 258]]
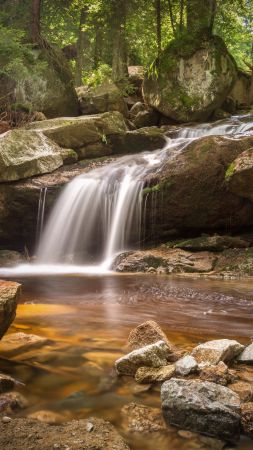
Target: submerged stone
[[203, 407], [21, 342], [142, 419], [247, 419]]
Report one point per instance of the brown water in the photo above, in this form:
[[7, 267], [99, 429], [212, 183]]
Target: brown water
[[89, 319]]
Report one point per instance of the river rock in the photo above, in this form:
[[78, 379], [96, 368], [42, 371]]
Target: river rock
[[186, 365], [144, 139], [202, 407], [21, 342], [147, 333], [142, 419], [171, 260], [9, 295], [99, 99], [190, 79], [74, 435], [247, 355], [153, 355], [219, 374], [148, 375], [26, 153], [235, 262], [247, 418], [219, 350], [147, 118], [243, 389]]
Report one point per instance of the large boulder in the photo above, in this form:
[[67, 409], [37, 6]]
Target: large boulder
[[103, 98], [190, 193], [9, 295], [26, 153], [190, 79], [203, 407], [240, 90]]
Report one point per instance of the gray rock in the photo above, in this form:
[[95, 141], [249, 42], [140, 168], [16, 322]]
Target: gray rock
[[203, 407], [215, 351], [154, 355], [26, 153], [247, 355], [100, 99], [186, 365]]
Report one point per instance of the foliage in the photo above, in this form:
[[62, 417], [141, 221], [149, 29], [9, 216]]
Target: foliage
[[98, 76]]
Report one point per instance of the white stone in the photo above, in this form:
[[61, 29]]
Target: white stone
[[186, 365], [247, 355]]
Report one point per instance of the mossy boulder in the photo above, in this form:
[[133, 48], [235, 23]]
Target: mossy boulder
[[239, 175], [26, 153], [191, 79], [214, 243], [103, 98], [78, 132]]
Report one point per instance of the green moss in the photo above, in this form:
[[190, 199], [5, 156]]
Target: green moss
[[230, 171], [151, 189]]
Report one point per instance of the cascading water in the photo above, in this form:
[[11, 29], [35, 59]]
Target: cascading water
[[41, 213], [98, 214]]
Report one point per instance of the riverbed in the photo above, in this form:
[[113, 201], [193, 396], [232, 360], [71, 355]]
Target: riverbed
[[87, 321]]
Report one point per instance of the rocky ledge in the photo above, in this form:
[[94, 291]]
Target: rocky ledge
[[9, 294]]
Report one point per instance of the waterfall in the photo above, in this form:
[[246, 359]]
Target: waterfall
[[41, 213], [98, 214]]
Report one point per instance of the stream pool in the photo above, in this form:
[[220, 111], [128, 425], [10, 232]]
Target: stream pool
[[88, 320]]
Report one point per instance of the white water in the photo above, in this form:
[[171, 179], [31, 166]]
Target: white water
[[98, 214]]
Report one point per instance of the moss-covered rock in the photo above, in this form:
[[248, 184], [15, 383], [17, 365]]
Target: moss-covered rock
[[26, 153], [103, 98], [214, 243], [239, 175], [190, 79]]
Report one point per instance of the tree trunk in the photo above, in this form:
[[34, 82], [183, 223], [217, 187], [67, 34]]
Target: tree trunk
[[97, 46], [81, 47], [200, 17], [35, 21], [119, 58], [158, 27]]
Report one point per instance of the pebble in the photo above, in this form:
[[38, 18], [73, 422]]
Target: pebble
[[6, 419], [89, 427], [56, 446]]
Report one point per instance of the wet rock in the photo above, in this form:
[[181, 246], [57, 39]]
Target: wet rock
[[9, 295], [10, 258], [243, 389], [136, 109], [27, 153], [153, 355], [142, 419], [7, 383], [214, 243], [239, 175], [49, 417], [247, 355], [181, 87], [154, 375], [186, 365], [144, 139], [172, 260], [100, 99], [218, 350], [235, 263], [12, 402], [147, 333], [203, 407], [28, 433], [247, 419], [219, 374], [21, 342], [147, 118]]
